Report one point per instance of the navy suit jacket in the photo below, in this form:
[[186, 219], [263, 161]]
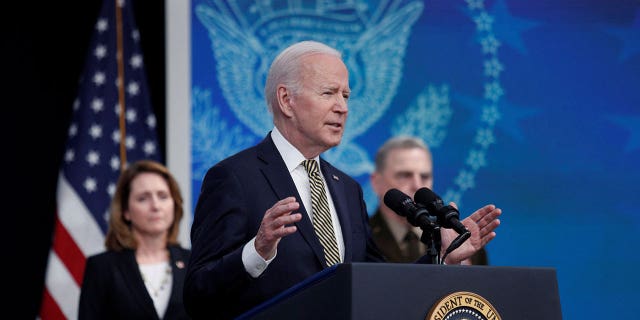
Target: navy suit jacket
[[234, 196], [113, 288]]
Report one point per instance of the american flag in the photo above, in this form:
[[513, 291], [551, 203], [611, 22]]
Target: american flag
[[112, 124]]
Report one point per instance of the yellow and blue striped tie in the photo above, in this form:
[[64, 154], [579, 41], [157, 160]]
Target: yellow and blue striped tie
[[322, 223]]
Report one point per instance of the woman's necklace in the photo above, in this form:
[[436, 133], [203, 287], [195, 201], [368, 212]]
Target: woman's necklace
[[155, 285]]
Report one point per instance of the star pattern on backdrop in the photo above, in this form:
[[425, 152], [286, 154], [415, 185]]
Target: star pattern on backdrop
[[509, 28], [508, 118], [629, 38]]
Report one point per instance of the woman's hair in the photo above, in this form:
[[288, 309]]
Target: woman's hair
[[119, 235]]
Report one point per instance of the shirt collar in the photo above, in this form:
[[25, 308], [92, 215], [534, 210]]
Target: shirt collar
[[399, 230], [291, 156]]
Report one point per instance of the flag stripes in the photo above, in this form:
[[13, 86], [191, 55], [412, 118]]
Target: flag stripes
[[112, 124]]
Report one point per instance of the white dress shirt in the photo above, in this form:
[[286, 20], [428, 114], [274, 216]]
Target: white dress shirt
[[253, 262]]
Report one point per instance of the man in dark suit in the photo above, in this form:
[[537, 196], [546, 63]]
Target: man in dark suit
[[255, 231], [404, 163]]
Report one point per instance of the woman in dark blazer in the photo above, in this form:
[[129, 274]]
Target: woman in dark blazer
[[141, 274]]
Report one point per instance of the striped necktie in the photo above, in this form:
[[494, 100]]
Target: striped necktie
[[321, 217]]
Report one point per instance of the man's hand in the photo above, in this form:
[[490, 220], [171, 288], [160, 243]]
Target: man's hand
[[274, 226], [481, 224]]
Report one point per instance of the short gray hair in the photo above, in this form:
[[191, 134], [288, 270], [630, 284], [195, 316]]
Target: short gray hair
[[285, 68], [399, 142]]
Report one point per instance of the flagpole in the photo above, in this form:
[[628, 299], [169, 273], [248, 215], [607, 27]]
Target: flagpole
[[121, 97], [89, 170]]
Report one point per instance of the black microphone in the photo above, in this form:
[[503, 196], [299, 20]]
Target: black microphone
[[458, 241], [402, 204], [448, 216]]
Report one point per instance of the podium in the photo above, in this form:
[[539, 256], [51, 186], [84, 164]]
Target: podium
[[409, 291]]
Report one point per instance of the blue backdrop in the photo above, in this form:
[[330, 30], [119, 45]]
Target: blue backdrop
[[531, 105]]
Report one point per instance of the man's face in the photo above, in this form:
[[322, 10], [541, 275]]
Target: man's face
[[319, 110], [406, 170]]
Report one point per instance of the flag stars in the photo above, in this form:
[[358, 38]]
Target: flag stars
[[135, 35], [90, 162], [90, 185], [99, 78], [133, 88], [100, 51], [93, 158], [131, 116], [149, 148], [114, 163], [151, 121], [102, 25], [95, 131], [115, 136], [136, 61], [69, 156], [97, 105], [73, 130], [111, 190], [130, 142]]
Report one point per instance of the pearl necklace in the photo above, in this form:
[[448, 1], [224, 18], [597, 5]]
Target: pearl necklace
[[155, 291]]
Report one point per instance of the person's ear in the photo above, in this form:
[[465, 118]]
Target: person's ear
[[376, 183], [284, 101]]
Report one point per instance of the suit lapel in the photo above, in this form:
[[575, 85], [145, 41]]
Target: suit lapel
[[279, 178], [178, 265], [129, 270]]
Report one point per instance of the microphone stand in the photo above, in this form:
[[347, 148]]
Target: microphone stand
[[458, 241], [431, 238]]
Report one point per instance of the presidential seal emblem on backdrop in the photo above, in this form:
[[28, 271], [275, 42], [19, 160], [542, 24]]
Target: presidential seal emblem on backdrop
[[463, 305], [247, 35], [380, 48]]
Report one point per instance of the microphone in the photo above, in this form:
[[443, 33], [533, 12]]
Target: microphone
[[402, 204], [458, 241], [448, 216]]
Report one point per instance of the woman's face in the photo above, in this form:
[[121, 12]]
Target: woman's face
[[151, 206]]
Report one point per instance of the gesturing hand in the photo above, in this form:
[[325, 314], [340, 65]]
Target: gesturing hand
[[276, 224], [482, 224]]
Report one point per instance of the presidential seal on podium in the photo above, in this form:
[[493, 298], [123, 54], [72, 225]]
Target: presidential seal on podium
[[463, 305]]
